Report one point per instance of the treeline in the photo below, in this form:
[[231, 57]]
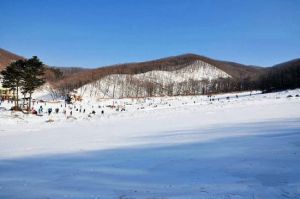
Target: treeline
[[276, 78], [199, 87], [281, 77], [128, 86]]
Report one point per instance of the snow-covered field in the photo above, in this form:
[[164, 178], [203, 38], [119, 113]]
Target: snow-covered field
[[159, 148]]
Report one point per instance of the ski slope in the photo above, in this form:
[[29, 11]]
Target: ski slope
[[165, 147]]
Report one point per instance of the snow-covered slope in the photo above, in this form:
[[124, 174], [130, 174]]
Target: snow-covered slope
[[154, 83], [190, 147], [199, 70]]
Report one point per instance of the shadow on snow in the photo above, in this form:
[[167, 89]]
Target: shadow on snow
[[263, 165]]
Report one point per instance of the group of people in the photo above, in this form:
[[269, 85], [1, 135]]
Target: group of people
[[2, 99], [71, 109]]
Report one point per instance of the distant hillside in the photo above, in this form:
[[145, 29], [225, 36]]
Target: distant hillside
[[235, 70], [51, 73], [187, 74], [281, 76], [68, 71], [288, 64], [178, 75], [7, 57]]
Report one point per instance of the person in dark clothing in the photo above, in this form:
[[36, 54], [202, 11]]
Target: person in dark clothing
[[41, 110], [49, 111]]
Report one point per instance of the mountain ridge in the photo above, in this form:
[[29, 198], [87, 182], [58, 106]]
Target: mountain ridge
[[174, 75]]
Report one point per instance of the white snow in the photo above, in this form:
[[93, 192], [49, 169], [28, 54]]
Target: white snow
[[164, 147], [199, 70]]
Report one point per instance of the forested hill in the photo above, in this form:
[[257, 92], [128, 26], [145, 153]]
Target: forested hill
[[169, 64], [177, 75], [281, 76]]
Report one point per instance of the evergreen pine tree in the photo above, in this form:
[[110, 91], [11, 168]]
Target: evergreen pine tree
[[12, 78], [32, 76]]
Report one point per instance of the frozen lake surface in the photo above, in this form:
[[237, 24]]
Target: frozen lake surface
[[189, 147]]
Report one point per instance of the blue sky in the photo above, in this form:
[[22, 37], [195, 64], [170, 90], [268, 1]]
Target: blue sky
[[94, 33]]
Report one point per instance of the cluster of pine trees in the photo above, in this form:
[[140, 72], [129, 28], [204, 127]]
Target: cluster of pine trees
[[23, 76]]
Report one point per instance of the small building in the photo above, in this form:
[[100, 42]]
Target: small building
[[5, 93]]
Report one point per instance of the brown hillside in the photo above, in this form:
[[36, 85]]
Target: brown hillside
[[237, 71], [288, 64], [7, 57]]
